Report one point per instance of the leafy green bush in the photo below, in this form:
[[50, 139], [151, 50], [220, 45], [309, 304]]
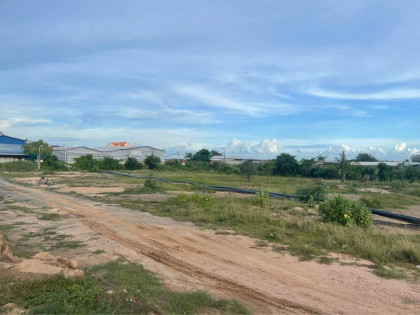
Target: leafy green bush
[[345, 212], [314, 193], [152, 161], [150, 183], [195, 197], [132, 164], [262, 198], [18, 166], [182, 197]]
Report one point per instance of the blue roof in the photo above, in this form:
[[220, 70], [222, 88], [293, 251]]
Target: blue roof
[[10, 140]]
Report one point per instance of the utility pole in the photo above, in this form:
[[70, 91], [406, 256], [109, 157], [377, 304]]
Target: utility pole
[[39, 156], [178, 156], [224, 157]]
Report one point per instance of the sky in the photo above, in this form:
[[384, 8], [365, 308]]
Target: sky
[[248, 78]]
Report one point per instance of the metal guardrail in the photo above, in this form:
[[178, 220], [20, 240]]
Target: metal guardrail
[[391, 215]]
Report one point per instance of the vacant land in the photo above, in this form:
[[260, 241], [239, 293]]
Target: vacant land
[[278, 259]]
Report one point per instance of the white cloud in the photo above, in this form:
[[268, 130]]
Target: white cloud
[[400, 147], [381, 95], [413, 151], [267, 146], [10, 122]]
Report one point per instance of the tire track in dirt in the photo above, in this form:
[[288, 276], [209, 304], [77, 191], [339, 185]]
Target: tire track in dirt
[[102, 222]]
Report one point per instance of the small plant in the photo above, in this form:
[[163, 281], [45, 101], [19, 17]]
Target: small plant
[[262, 198], [314, 193], [195, 197], [208, 198], [345, 212], [150, 183], [182, 197]]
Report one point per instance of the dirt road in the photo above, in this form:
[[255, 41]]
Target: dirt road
[[227, 265]]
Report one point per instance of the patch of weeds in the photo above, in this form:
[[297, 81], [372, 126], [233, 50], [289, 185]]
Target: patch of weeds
[[67, 245], [305, 252], [22, 209], [7, 227], [261, 243], [151, 183], [98, 252], [280, 249], [114, 288], [222, 233], [388, 273], [326, 260], [374, 202], [49, 217], [262, 198]]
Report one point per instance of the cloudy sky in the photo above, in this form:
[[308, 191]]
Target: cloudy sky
[[253, 78]]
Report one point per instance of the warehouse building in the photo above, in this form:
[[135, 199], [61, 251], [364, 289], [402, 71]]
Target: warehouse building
[[11, 149], [68, 154]]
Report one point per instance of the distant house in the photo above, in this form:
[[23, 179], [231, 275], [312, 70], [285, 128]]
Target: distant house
[[68, 154], [232, 160], [11, 149], [119, 144]]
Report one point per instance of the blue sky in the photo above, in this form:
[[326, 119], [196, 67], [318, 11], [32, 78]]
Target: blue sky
[[252, 78]]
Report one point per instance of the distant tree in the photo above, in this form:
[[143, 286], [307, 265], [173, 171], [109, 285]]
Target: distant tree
[[110, 164], [132, 164], [321, 157], [32, 148], [385, 172], [188, 156], [202, 155], [51, 162], [215, 153], [152, 161], [86, 162], [415, 158], [305, 166], [266, 168], [286, 165], [365, 157], [344, 165], [248, 169]]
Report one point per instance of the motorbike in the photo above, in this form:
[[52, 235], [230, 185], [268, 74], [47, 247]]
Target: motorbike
[[45, 181]]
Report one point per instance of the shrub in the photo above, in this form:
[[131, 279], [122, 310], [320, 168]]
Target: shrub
[[18, 166], [314, 193], [152, 161], [150, 183], [262, 198], [195, 197], [132, 164], [182, 197], [109, 163], [345, 212]]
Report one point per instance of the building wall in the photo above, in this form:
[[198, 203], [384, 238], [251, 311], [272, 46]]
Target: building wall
[[11, 149], [140, 153]]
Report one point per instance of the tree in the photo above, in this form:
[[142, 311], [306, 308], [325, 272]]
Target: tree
[[321, 158], [188, 156], [51, 162], [86, 162], [286, 165], [305, 166], [248, 169], [385, 172], [214, 153], [109, 163], [32, 148], [152, 161], [415, 158], [344, 165], [132, 164], [202, 155], [365, 157]]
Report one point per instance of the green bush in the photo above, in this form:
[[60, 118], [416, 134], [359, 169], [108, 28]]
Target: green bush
[[132, 164], [345, 212], [182, 197], [18, 166], [262, 198], [314, 193], [152, 161], [195, 197], [150, 183]]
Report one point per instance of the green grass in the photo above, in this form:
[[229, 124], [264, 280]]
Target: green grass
[[49, 217], [22, 209], [98, 252], [114, 288], [61, 244], [388, 273]]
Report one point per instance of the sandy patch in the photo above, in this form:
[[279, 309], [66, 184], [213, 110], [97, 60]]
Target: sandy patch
[[91, 190]]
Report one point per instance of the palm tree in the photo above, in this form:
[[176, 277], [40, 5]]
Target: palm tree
[[344, 165]]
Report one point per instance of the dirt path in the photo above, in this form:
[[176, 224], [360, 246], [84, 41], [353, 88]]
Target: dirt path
[[226, 265]]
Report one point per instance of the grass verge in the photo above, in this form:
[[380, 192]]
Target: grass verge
[[116, 287]]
